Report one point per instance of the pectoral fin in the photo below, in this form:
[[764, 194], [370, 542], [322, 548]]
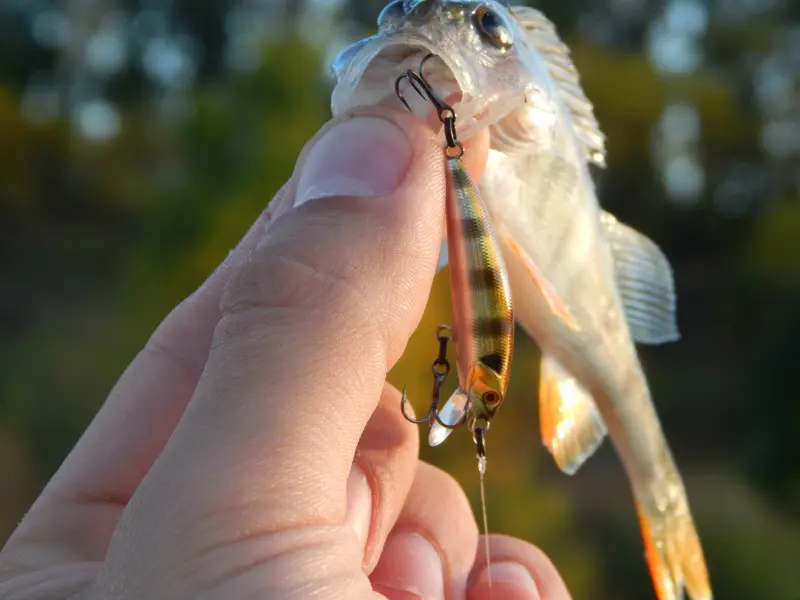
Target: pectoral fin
[[645, 281], [549, 293], [572, 428]]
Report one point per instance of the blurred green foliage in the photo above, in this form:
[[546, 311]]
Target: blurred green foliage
[[100, 239]]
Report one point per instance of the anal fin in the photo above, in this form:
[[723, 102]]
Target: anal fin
[[571, 425], [674, 554]]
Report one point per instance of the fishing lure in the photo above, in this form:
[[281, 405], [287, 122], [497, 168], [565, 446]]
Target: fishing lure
[[483, 316], [483, 319]]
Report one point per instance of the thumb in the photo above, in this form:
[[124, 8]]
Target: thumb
[[310, 325], [327, 303]]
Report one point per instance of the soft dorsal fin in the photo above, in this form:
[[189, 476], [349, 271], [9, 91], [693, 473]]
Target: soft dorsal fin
[[556, 55], [645, 282], [571, 425]]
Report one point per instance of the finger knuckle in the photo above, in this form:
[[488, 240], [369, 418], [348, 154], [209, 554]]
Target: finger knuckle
[[293, 284]]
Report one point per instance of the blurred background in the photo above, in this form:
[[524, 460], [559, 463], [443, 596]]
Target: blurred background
[[139, 139]]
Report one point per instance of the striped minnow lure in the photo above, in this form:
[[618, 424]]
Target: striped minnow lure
[[586, 287], [483, 319]]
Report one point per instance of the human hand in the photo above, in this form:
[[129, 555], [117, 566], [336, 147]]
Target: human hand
[[254, 449]]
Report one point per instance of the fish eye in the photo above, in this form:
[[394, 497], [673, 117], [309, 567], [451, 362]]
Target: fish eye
[[493, 28], [392, 12]]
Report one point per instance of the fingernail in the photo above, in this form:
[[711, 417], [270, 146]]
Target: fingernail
[[359, 504], [411, 565], [364, 156], [510, 580]]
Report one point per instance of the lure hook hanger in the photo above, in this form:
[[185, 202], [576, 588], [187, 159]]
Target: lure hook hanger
[[445, 112], [440, 369]]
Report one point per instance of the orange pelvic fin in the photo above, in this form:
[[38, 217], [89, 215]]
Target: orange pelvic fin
[[674, 555], [556, 304], [571, 425]]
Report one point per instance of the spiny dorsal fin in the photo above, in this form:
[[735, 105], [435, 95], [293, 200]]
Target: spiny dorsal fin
[[556, 54], [572, 428], [645, 281]]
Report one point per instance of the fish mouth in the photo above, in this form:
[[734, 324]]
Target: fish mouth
[[372, 75]]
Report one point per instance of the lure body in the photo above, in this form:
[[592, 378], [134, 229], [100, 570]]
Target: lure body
[[586, 287], [483, 320]]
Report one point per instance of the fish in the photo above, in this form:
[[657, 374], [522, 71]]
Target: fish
[[586, 287]]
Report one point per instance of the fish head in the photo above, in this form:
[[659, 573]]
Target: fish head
[[484, 64]]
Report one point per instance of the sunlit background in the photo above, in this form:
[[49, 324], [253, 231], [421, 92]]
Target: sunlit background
[[138, 140]]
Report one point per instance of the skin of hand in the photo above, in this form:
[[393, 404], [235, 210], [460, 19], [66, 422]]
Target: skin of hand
[[253, 449]]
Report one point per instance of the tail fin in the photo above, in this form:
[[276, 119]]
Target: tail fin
[[673, 551]]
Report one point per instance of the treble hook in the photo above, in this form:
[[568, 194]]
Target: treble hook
[[440, 369], [403, 408], [425, 91], [421, 68], [418, 78], [445, 112]]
